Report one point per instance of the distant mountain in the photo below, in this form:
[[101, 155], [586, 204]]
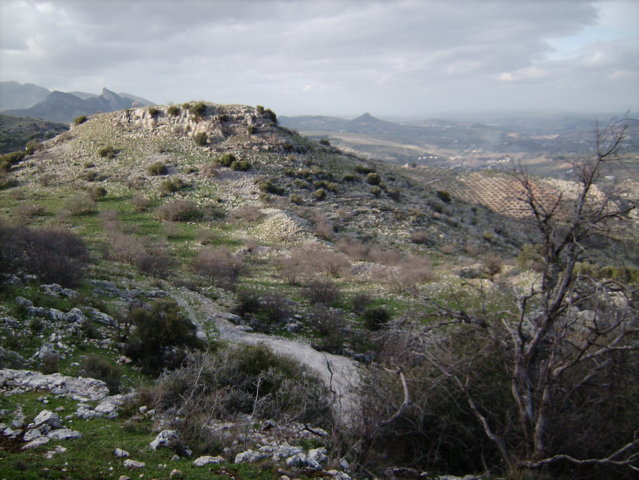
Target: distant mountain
[[64, 107], [18, 95], [16, 132]]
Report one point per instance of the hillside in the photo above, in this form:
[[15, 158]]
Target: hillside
[[16, 132], [194, 290]]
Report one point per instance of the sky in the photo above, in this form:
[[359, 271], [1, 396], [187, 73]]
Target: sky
[[404, 58]]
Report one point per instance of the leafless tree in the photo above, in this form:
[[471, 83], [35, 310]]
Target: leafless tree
[[565, 337]]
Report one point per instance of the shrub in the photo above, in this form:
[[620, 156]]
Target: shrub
[[360, 302], [226, 160], [262, 310], [376, 318], [96, 193], [200, 139], [444, 196], [373, 179], [160, 337], [329, 325], [492, 264], [157, 263], [241, 165], [310, 260], [140, 203], [323, 292], [325, 141], [296, 198], [173, 110], [376, 191], [103, 369], [349, 177], [81, 204], [198, 110], [319, 194], [108, 152], [218, 266], [237, 380], [54, 255], [125, 248], [251, 129], [173, 185], [204, 236], [80, 119], [421, 237], [364, 169], [179, 211], [247, 213], [269, 186], [154, 112], [395, 194], [9, 159], [157, 168]]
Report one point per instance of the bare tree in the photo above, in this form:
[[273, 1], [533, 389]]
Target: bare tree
[[567, 333]]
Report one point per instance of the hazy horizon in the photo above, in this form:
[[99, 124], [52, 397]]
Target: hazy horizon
[[395, 59]]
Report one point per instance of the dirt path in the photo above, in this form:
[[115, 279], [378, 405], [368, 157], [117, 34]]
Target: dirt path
[[340, 374]]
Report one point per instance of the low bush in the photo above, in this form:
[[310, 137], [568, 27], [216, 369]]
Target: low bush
[[444, 196], [241, 165], [104, 369], [160, 337], [9, 159], [364, 169], [329, 325], [157, 168], [179, 211], [80, 119], [226, 160], [108, 152], [373, 179], [173, 185], [262, 310], [96, 193], [198, 110], [140, 203], [81, 204], [200, 139], [376, 191], [173, 110], [219, 266], [154, 112], [324, 292], [247, 213], [269, 186], [54, 255], [235, 380], [376, 318], [310, 260], [319, 194], [349, 178], [157, 263]]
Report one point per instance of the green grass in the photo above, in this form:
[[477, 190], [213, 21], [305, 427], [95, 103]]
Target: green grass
[[91, 457]]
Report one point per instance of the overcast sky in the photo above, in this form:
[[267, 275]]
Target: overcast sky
[[343, 57]]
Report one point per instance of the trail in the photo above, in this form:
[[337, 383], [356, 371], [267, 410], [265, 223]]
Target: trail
[[340, 374]]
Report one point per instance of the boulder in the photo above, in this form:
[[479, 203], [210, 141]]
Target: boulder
[[47, 417], [23, 302], [118, 452], [63, 434], [56, 290], [318, 455], [207, 460], [56, 315], [77, 388], [128, 463], [166, 439], [31, 435], [101, 317], [75, 315], [250, 456], [38, 442]]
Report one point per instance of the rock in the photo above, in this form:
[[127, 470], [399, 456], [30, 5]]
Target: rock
[[56, 290], [77, 388], [101, 317], [37, 311], [10, 322], [175, 473], [31, 434], [124, 477], [64, 434], [47, 417], [250, 456], [18, 418], [118, 452], [56, 315], [300, 460], [128, 463], [85, 412], [281, 452], [155, 294], [38, 442], [166, 439], [318, 455], [47, 351], [338, 475], [75, 315], [109, 406], [23, 302], [9, 358], [57, 449], [207, 460]]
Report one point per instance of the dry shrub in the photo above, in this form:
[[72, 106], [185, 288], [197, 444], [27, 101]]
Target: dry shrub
[[492, 264], [25, 211], [406, 277], [365, 251], [324, 292], [54, 255], [324, 228], [178, 211], [247, 213], [311, 260], [80, 205], [219, 266], [420, 237], [125, 248], [263, 310], [141, 204], [156, 262], [171, 230], [330, 327], [211, 170]]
